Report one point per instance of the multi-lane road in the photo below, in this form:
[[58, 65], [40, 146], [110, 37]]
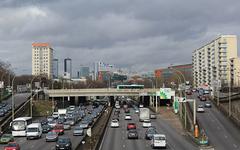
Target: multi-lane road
[[18, 100], [116, 138], [222, 133]]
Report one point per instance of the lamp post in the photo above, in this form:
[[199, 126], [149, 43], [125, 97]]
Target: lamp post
[[31, 100], [13, 103], [185, 107]]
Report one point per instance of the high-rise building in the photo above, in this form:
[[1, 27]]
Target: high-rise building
[[217, 61], [68, 68], [84, 71], [42, 57], [55, 68]]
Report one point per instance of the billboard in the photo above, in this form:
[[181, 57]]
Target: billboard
[[165, 93]]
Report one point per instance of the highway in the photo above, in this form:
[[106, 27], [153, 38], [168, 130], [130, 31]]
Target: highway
[[223, 134], [116, 138], [41, 144], [18, 99]]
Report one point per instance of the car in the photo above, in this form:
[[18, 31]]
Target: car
[[188, 92], [66, 126], [207, 105], [114, 123], [200, 109], [50, 118], [146, 123], [59, 129], [61, 120], [127, 110], [78, 131], [6, 138], [44, 122], [84, 124], [153, 116], [136, 111], [51, 137], [2, 113], [132, 134], [52, 123], [203, 98], [12, 146], [46, 128], [159, 141], [63, 143], [150, 132], [131, 126], [128, 117], [55, 115], [141, 106], [34, 131]]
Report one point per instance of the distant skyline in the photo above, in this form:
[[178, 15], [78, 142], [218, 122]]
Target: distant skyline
[[138, 35]]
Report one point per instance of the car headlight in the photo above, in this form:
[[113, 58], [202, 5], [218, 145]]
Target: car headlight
[[57, 145], [67, 144]]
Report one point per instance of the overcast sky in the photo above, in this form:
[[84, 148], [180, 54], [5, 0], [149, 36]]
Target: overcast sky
[[141, 35]]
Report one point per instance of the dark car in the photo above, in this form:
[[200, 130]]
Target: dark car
[[150, 132], [44, 122], [46, 128], [132, 134], [2, 113], [64, 143]]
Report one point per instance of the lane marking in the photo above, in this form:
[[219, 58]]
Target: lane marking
[[235, 146], [225, 136]]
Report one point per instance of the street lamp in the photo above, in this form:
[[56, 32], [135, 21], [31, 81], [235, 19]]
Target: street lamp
[[13, 103], [31, 100]]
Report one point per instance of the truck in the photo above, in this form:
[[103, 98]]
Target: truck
[[144, 114], [62, 112]]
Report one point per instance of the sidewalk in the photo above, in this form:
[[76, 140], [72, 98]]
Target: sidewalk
[[166, 113]]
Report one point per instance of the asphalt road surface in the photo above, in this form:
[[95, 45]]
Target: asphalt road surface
[[116, 138], [222, 133], [18, 99]]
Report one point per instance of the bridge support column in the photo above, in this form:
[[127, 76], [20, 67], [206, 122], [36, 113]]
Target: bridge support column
[[76, 100], [112, 102]]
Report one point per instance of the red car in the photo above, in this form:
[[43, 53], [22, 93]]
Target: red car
[[59, 129], [131, 126], [12, 146]]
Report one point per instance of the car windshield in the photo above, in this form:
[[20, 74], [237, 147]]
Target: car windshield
[[160, 138], [12, 145], [62, 141], [78, 128], [6, 136], [32, 130], [51, 133], [18, 125]]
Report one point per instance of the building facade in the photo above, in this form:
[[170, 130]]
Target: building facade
[[67, 68], [217, 61], [84, 72], [172, 73], [55, 68], [42, 59]]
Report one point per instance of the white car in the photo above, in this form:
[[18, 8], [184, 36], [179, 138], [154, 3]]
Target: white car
[[55, 115], [147, 123], [159, 141], [117, 106], [137, 111], [114, 123], [200, 109], [128, 117]]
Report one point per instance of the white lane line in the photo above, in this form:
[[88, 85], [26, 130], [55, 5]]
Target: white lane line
[[124, 146], [225, 136], [235, 146]]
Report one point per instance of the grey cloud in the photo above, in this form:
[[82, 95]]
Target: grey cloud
[[136, 34]]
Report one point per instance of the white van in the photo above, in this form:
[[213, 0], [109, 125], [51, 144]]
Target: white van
[[159, 141], [34, 130]]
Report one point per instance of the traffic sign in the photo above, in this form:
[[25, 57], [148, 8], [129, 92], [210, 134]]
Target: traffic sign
[[176, 104]]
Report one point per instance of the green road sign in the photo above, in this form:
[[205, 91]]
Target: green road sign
[[176, 104]]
